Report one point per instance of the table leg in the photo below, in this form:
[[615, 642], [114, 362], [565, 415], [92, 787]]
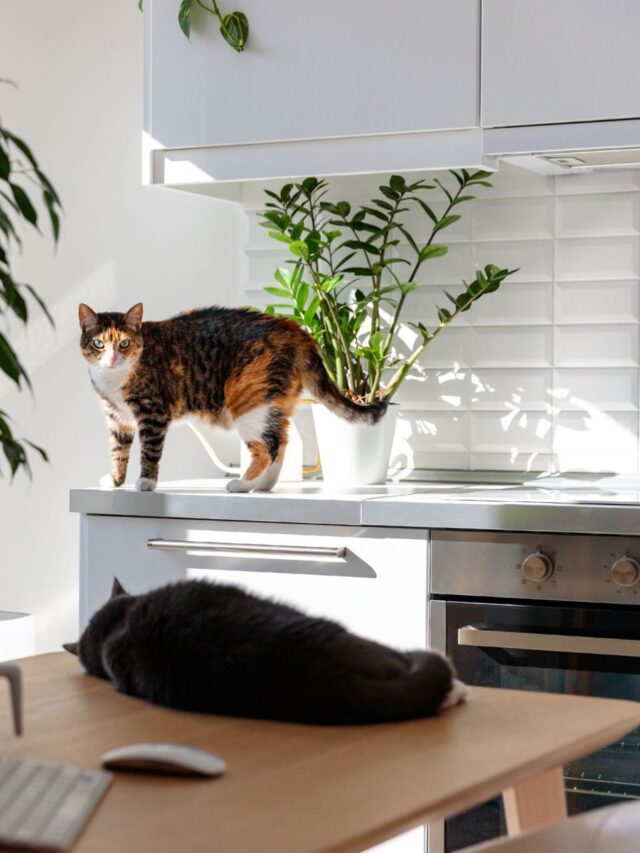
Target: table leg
[[536, 802]]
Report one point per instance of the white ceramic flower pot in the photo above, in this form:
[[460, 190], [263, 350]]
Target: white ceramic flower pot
[[354, 454]]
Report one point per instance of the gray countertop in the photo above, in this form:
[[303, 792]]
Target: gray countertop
[[607, 507]]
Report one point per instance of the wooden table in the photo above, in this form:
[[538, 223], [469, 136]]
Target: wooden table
[[304, 789]]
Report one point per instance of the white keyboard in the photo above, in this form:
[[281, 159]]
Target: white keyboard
[[45, 805]]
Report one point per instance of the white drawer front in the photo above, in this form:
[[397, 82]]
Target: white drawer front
[[373, 580]]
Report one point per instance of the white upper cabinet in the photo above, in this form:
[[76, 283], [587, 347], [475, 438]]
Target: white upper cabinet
[[312, 70], [552, 61]]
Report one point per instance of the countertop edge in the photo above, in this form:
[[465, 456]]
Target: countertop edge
[[367, 510]]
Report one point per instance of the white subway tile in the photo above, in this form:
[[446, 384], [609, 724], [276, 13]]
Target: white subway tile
[[425, 302], [598, 258], [439, 461], [450, 349], [512, 180], [513, 218], [445, 389], [611, 180], [592, 440], [507, 346], [419, 225], [262, 265], [597, 301], [533, 462], [439, 432], [511, 432], [507, 389], [596, 346], [532, 258], [451, 268], [514, 303], [606, 389], [597, 216]]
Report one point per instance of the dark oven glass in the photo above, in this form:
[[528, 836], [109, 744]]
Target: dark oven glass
[[608, 776]]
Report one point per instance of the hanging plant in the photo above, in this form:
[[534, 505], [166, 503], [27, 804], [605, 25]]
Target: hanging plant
[[234, 26]]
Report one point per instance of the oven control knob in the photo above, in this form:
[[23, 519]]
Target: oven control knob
[[625, 572], [537, 567]]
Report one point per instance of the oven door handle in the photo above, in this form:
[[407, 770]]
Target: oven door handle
[[561, 643]]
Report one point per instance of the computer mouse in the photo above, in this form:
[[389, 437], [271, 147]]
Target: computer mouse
[[172, 758]]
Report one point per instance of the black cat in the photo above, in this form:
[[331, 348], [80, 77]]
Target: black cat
[[215, 648]]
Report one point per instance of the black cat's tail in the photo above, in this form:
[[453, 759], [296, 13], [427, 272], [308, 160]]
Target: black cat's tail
[[427, 686], [319, 383]]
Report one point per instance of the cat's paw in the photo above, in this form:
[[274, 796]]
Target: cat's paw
[[239, 485], [144, 484], [458, 693], [106, 482]]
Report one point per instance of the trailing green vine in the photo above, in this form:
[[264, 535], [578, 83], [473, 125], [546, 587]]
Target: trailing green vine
[[234, 26]]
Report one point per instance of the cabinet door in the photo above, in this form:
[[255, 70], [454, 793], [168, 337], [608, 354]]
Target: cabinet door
[[372, 580], [312, 70], [554, 61]]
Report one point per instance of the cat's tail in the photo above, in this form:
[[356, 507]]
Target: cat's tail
[[319, 383], [427, 687]]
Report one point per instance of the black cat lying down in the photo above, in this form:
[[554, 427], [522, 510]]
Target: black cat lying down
[[214, 648]]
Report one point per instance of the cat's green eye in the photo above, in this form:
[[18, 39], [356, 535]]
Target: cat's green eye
[[98, 344], [124, 343]]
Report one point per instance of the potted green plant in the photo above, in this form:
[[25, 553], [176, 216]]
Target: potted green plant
[[349, 282]]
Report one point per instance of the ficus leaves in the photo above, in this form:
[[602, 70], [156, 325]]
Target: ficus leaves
[[20, 176]]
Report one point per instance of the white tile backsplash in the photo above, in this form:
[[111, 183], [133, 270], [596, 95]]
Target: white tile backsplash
[[506, 346], [613, 389], [596, 301], [544, 374], [513, 218], [596, 346], [610, 213], [597, 258]]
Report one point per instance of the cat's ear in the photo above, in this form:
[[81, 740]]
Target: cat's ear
[[133, 317], [87, 316], [117, 589], [71, 647]]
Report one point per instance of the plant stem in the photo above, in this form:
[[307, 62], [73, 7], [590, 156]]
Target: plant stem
[[399, 375], [216, 13]]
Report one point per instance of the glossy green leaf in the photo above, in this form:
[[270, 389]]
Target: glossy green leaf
[[235, 30], [5, 164], [426, 208], [435, 250], [184, 16], [22, 146], [446, 221], [9, 362], [24, 203]]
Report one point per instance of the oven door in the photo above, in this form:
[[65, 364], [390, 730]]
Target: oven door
[[582, 650]]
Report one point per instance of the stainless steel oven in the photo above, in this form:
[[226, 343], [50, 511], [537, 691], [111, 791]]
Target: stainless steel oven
[[551, 613]]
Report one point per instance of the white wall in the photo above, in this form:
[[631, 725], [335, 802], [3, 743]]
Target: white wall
[[543, 375], [79, 69]]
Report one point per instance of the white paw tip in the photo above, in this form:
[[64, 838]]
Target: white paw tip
[[457, 694], [106, 482], [238, 485], [144, 484]]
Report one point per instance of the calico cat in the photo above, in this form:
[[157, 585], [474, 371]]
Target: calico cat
[[214, 648], [233, 367]]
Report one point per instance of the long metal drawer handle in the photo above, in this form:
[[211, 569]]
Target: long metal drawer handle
[[251, 549], [529, 642]]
